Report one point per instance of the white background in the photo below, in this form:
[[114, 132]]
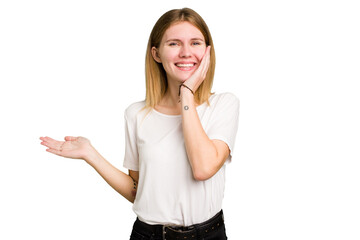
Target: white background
[[72, 67]]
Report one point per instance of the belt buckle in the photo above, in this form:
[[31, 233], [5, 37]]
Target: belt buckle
[[172, 228], [164, 227], [164, 231]]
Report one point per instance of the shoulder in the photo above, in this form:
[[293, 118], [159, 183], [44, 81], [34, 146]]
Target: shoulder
[[133, 109], [226, 98]]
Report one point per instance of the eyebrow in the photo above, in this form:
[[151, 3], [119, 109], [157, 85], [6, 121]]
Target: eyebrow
[[178, 40]]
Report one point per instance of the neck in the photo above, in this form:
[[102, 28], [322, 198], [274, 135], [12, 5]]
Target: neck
[[170, 104], [171, 97]]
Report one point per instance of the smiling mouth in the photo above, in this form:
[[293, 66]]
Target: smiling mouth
[[185, 66]]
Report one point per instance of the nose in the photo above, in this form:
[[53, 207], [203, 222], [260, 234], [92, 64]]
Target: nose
[[185, 51]]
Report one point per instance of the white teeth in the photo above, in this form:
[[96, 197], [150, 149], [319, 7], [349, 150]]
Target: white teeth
[[185, 65]]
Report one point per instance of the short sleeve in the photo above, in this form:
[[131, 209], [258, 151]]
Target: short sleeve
[[131, 159], [224, 121]]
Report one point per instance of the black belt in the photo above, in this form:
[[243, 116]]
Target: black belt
[[179, 232]]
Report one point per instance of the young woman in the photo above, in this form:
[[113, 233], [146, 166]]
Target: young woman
[[177, 140]]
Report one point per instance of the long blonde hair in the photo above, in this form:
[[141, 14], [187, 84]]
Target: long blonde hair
[[156, 81]]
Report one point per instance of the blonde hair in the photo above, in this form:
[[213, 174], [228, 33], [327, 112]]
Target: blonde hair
[[156, 81]]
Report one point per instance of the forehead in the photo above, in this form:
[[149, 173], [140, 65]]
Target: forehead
[[182, 30]]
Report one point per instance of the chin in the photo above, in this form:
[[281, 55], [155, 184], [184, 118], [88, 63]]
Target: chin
[[181, 78], [184, 77]]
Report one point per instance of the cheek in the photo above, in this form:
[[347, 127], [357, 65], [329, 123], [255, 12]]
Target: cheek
[[167, 64], [168, 58], [199, 54]]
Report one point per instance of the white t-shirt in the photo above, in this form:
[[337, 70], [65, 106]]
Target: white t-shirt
[[167, 191]]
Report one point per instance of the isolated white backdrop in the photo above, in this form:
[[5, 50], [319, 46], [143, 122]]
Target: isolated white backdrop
[[72, 67]]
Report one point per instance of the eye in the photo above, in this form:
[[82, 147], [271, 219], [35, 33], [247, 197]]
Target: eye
[[196, 43], [173, 44]]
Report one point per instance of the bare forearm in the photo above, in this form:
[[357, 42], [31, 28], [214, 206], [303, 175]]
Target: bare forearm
[[117, 179], [200, 149]]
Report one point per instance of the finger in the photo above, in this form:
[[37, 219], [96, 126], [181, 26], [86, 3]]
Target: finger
[[70, 138], [207, 66], [207, 53], [44, 140], [54, 151], [48, 139], [205, 62], [51, 143], [206, 57], [51, 146], [203, 59], [199, 73], [208, 50]]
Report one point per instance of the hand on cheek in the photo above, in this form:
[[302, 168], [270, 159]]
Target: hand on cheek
[[199, 75]]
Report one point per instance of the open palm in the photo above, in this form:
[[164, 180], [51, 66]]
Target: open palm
[[72, 147]]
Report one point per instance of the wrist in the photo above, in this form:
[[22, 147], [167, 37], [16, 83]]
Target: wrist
[[186, 97], [185, 90], [188, 87], [91, 155]]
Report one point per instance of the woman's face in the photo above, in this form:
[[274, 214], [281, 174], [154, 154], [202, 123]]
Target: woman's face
[[181, 50]]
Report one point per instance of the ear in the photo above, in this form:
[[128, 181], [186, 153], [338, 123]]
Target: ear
[[155, 54]]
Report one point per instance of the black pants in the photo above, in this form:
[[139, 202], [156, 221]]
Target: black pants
[[213, 229]]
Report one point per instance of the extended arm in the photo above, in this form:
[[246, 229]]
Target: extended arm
[[80, 148], [123, 183]]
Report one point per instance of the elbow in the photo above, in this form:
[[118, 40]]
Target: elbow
[[199, 177], [131, 198], [202, 174], [204, 168]]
